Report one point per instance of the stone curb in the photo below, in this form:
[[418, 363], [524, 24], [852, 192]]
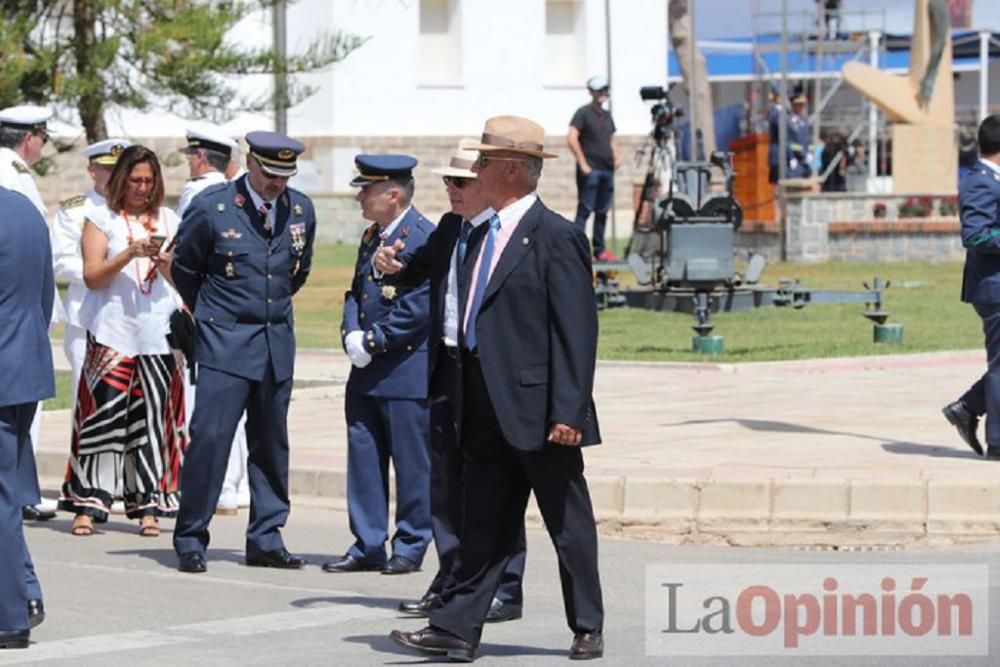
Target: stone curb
[[748, 512]]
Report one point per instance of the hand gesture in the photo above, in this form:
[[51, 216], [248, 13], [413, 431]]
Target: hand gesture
[[142, 248], [562, 434], [385, 258]]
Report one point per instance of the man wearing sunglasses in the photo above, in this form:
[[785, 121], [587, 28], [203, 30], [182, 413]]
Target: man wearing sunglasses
[[439, 261], [591, 138]]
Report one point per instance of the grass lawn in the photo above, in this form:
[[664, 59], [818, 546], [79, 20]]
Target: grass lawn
[[924, 298], [61, 401]]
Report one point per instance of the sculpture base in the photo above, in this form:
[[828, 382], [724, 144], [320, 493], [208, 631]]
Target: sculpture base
[[924, 159]]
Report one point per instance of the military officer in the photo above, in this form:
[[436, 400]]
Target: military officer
[[800, 144], [209, 154], [23, 133], [243, 250], [384, 332], [27, 292], [66, 232]]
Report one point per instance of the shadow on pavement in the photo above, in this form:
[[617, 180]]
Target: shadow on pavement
[[935, 451], [364, 601], [167, 557], [382, 644]]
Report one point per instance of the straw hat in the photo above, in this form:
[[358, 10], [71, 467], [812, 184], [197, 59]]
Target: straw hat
[[460, 165], [514, 134]]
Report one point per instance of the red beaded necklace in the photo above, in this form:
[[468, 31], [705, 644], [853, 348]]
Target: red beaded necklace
[[149, 224]]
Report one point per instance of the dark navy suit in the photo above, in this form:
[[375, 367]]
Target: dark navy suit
[[386, 404], [533, 366], [432, 262], [239, 283], [26, 362], [979, 199]]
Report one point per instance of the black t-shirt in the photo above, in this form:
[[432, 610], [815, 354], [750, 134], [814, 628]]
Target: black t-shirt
[[596, 127]]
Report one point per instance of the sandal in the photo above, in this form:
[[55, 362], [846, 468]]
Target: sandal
[[149, 527], [82, 526]]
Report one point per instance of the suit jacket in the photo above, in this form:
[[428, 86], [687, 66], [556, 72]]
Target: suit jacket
[[979, 201], [393, 318], [431, 262], [27, 293], [537, 329], [239, 284]]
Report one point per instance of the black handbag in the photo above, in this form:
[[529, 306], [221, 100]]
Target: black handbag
[[181, 337]]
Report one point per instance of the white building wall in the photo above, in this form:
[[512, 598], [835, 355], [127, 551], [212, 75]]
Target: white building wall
[[378, 91]]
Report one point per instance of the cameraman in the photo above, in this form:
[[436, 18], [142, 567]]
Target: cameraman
[[591, 138]]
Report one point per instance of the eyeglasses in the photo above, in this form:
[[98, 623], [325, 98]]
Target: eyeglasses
[[458, 181], [483, 159], [43, 134]]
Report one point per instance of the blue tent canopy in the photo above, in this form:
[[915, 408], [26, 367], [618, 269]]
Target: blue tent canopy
[[732, 59]]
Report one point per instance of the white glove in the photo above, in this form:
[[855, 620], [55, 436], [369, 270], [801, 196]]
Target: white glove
[[793, 163], [354, 343]]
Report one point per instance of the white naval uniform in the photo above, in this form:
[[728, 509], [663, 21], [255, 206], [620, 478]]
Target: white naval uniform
[[67, 257], [236, 487], [17, 176]]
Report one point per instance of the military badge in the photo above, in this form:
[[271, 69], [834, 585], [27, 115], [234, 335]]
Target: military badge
[[73, 202], [388, 292], [20, 167], [231, 234], [239, 201], [298, 210], [286, 154], [230, 270], [297, 230], [221, 207]]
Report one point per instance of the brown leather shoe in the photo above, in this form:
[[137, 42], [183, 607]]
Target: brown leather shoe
[[587, 646], [433, 641]]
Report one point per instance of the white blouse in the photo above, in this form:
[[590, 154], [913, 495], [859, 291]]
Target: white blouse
[[121, 316]]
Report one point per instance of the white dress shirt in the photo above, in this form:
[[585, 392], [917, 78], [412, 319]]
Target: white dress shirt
[[450, 330]]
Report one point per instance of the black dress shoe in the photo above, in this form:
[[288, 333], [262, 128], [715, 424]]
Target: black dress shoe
[[423, 606], [36, 613], [965, 423], [349, 563], [192, 561], [15, 639], [432, 641], [33, 513], [587, 646], [503, 611], [279, 558], [400, 565]]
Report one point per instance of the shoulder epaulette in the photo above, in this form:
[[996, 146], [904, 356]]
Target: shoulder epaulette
[[73, 202], [20, 168]]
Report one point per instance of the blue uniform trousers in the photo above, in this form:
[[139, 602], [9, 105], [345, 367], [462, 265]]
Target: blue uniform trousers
[[379, 429], [29, 494], [219, 404], [983, 398], [15, 561], [446, 484]]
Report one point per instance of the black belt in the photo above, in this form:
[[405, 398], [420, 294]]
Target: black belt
[[450, 351]]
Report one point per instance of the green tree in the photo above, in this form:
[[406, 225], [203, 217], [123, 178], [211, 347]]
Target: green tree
[[178, 56]]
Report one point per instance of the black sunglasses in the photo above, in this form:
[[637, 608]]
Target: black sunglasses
[[43, 134], [458, 181]]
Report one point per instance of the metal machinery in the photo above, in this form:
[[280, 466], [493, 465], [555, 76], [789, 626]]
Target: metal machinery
[[682, 253]]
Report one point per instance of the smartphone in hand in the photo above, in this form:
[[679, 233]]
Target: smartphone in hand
[[158, 240]]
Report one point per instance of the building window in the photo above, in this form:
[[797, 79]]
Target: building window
[[440, 43], [564, 42]]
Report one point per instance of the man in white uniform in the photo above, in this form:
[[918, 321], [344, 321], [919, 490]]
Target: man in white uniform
[[66, 232], [210, 160], [23, 133]]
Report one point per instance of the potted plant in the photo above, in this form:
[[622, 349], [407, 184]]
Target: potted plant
[[880, 210]]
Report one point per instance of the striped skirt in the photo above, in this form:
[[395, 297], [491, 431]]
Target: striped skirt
[[129, 435]]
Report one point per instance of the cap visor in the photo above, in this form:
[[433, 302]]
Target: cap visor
[[278, 171]]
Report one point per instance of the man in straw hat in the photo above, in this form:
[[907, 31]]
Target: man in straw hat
[[528, 345], [439, 261]]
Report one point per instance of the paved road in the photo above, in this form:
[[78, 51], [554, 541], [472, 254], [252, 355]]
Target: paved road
[[115, 599]]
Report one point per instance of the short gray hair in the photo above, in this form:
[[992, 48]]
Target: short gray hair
[[407, 187], [533, 167], [11, 137]]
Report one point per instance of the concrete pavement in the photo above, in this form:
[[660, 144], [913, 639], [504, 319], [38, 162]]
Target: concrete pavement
[[819, 452]]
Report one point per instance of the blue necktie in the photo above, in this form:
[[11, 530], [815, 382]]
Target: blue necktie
[[463, 244], [481, 280]]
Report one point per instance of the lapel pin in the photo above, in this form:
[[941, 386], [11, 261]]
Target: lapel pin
[[239, 201], [298, 209], [525, 240], [221, 207]]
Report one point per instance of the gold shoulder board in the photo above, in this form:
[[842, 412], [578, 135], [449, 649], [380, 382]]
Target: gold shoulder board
[[73, 202]]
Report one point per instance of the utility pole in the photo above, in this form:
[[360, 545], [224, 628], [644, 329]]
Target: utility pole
[[278, 22]]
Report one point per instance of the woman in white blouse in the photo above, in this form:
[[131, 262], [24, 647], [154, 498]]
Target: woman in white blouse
[[128, 428]]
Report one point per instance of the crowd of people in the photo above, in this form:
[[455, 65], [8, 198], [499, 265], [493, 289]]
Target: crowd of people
[[472, 344]]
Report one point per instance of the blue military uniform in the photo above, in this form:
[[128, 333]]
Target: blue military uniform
[[386, 402], [237, 266], [25, 354], [979, 200], [800, 146]]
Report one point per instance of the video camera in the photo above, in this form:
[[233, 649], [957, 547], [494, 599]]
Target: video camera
[[664, 112]]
